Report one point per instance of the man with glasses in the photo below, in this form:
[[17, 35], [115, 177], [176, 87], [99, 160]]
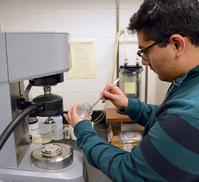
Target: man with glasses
[[168, 38]]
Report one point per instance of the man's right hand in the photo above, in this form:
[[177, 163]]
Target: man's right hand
[[115, 95]]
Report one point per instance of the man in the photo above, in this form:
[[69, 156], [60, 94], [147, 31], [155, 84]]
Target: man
[[168, 38]]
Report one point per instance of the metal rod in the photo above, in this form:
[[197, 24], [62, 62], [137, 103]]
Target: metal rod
[[96, 102], [115, 82], [146, 85], [117, 30]]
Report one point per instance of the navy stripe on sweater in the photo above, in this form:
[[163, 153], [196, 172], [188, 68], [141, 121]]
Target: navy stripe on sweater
[[162, 166], [185, 133]]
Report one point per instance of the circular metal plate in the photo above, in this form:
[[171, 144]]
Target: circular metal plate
[[52, 156], [51, 149]]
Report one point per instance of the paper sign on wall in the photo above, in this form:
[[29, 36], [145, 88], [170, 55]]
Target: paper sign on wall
[[83, 58]]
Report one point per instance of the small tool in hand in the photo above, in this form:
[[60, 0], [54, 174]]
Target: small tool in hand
[[115, 82]]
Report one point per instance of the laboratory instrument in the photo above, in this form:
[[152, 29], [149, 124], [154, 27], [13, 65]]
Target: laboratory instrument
[[40, 58]]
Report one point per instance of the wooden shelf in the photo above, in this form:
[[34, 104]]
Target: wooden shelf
[[113, 117]]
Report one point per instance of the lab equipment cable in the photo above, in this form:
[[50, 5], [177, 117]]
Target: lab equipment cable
[[102, 115], [13, 124], [99, 118]]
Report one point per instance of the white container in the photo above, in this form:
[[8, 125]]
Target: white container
[[33, 129], [67, 131]]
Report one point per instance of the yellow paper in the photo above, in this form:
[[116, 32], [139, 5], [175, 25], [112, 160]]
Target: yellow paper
[[129, 88], [83, 58]]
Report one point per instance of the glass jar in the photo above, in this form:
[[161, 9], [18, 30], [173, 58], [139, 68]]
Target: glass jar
[[84, 111], [45, 129], [57, 127], [130, 80]]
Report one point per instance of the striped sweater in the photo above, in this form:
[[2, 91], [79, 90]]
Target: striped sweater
[[169, 150]]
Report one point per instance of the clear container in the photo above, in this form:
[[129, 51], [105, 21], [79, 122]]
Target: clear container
[[57, 127], [129, 139], [84, 111], [45, 130], [67, 131], [129, 136]]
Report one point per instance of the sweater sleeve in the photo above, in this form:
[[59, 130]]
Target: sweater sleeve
[[116, 163], [162, 155], [140, 112]]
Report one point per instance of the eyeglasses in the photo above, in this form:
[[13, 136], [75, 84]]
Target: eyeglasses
[[143, 52]]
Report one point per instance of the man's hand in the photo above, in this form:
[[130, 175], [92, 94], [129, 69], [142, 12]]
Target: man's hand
[[115, 95], [72, 117]]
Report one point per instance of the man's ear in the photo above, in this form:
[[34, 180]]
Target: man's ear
[[179, 44]]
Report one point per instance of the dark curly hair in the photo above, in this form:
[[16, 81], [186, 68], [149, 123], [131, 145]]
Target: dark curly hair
[[160, 19]]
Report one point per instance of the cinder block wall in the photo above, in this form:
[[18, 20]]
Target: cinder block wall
[[88, 19]]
